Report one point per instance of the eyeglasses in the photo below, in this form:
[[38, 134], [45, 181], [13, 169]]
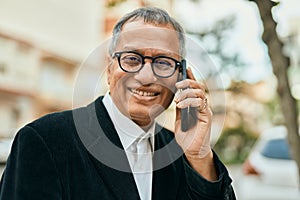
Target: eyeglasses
[[132, 62]]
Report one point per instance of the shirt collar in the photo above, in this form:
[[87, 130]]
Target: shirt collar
[[127, 130]]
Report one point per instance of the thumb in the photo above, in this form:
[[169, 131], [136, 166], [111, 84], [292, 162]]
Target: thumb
[[178, 114]]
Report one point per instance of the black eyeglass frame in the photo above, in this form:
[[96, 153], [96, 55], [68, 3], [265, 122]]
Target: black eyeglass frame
[[119, 53]]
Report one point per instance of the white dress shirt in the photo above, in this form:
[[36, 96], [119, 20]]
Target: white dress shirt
[[138, 146]]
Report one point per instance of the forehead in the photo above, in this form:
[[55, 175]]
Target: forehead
[[140, 35]]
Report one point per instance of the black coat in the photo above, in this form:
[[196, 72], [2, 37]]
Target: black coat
[[66, 155]]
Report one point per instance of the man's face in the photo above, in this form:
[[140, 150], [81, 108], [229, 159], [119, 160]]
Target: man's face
[[142, 96]]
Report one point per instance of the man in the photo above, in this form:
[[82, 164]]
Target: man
[[113, 149]]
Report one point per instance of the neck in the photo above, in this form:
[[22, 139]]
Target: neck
[[145, 125]]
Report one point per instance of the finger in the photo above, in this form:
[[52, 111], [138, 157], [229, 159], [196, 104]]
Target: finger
[[189, 83], [200, 104], [189, 93]]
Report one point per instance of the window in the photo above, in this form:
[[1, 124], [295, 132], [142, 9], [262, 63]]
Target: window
[[277, 148]]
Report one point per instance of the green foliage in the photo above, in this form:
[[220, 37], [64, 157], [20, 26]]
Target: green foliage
[[274, 111], [234, 145], [113, 3], [216, 41]]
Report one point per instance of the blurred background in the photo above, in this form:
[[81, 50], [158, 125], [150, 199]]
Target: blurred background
[[44, 43]]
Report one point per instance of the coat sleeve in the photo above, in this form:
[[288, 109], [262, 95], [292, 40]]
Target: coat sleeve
[[197, 187], [30, 171]]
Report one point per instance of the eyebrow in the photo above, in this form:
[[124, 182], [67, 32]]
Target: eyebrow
[[140, 50]]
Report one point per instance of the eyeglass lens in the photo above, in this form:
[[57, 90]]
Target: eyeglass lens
[[133, 62]]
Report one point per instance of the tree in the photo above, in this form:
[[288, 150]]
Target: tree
[[280, 64], [215, 40]]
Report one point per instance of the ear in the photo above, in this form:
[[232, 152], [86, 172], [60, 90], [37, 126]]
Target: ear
[[109, 64]]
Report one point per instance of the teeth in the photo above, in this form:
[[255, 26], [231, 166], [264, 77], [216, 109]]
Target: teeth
[[142, 93]]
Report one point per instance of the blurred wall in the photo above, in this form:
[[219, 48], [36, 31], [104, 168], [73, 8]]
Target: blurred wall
[[69, 27], [42, 45]]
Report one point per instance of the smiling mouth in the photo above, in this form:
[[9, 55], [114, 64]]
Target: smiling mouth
[[143, 93]]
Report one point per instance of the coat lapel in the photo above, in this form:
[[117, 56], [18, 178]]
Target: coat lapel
[[107, 153]]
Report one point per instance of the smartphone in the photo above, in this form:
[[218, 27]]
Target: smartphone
[[185, 111]]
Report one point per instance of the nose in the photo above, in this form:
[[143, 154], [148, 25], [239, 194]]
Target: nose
[[146, 76]]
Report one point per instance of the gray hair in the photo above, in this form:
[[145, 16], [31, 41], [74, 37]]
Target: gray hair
[[150, 15]]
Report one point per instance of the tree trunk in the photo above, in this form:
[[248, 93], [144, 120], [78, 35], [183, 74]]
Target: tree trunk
[[280, 65]]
